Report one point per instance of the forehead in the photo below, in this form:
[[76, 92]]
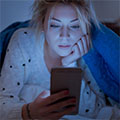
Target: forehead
[[63, 11]]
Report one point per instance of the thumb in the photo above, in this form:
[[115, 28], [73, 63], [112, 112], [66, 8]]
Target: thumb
[[66, 60], [44, 94], [41, 97], [70, 58]]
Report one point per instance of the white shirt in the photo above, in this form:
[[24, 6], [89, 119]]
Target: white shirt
[[25, 75]]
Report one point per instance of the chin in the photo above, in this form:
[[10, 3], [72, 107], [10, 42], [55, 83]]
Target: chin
[[63, 54]]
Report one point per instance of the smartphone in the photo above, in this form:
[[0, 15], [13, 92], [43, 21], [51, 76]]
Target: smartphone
[[67, 78]]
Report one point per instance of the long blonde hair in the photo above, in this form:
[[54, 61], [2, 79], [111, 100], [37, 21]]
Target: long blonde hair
[[84, 9]]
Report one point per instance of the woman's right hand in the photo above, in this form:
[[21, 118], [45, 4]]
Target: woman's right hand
[[46, 108]]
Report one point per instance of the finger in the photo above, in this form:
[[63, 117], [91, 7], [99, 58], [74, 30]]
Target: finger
[[84, 44], [81, 49], [43, 94], [72, 57], [57, 106], [88, 42], [53, 98], [76, 53]]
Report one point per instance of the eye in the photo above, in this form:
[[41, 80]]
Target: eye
[[75, 26], [54, 26]]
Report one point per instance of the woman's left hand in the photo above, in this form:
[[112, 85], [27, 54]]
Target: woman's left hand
[[78, 50]]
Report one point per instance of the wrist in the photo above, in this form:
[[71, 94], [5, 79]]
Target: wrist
[[28, 111], [26, 115], [24, 112]]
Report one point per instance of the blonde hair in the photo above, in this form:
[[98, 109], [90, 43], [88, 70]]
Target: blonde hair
[[83, 8]]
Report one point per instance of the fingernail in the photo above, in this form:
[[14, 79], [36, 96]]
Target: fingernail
[[72, 52], [66, 92], [73, 100], [74, 108]]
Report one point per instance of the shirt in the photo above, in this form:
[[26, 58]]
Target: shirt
[[24, 76]]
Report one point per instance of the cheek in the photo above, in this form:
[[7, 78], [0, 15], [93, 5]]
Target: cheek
[[51, 39], [76, 37], [52, 34]]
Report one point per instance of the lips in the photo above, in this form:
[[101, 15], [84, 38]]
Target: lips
[[64, 46]]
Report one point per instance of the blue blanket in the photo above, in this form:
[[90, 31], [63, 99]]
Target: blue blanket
[[5, 36], [102, 59]]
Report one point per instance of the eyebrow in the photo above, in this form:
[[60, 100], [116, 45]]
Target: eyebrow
[[60, 20]]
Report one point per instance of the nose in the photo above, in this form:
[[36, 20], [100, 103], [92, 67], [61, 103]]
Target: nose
[[64, 33]]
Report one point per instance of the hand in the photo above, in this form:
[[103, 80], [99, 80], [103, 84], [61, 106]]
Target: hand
[[78, 50], [45, 108]]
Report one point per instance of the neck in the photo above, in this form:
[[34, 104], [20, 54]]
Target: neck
[[51, 60]]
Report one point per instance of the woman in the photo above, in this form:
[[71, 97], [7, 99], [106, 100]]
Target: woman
[[59, 36]]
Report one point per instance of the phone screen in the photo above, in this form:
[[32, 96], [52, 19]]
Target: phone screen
[[67, 78]]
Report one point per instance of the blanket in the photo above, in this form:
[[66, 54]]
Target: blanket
[[102, 59]]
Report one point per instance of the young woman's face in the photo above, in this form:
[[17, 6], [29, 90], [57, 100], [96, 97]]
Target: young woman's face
[[62, 31]]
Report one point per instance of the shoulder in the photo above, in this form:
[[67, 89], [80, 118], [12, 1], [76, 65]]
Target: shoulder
[[24, 37], [23, 34], [23, 40]]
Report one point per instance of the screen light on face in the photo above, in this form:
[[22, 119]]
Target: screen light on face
[[63, 29]]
